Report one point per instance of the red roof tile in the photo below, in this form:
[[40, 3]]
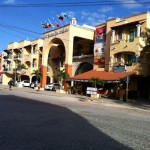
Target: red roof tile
[[103, 75]]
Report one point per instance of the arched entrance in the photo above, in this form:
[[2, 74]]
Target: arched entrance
[[55, 56], [83, 67], [25, 77]]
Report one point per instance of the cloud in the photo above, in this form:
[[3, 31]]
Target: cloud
[[132, 4], [94, 15], [9, 1], [92, 18], [105, 9]]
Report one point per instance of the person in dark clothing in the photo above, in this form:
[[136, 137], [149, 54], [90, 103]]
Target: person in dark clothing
[[10, 84]]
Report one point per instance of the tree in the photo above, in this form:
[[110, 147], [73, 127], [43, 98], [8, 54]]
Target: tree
[[146, 37], [37, 74], [20, 68], [96, 81], [62, 76]]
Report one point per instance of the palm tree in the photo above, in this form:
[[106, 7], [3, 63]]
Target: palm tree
[[19, 67], [37, 74], [62, 76], [96, 81]]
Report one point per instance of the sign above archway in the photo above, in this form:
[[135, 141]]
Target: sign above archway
[[56, 32]]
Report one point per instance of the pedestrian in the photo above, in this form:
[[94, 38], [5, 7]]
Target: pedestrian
[[10, 84]]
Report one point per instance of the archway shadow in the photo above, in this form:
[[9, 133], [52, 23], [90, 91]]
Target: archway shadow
[[26, 124]]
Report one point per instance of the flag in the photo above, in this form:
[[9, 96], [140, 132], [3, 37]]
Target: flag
[[61, 18], [44, 25], [51, 25], [66, 15], [57, 25]]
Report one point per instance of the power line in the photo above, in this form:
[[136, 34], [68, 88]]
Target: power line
[[80, 4], [18, 28]]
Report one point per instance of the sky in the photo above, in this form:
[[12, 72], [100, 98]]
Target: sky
[[23, 22]]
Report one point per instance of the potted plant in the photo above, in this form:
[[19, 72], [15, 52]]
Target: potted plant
[[62, 76]]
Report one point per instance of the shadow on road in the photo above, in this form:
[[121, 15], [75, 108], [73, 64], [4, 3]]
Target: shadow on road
[[26, 124]]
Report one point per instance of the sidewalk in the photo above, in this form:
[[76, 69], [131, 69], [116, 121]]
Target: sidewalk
[[138, 104]]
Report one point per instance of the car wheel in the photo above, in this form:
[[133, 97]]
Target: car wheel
[[53, 89]]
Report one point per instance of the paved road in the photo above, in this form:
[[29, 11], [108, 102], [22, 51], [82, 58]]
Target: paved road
[[37, 121]]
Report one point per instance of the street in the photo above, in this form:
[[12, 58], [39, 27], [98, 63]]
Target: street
[[36, 121]]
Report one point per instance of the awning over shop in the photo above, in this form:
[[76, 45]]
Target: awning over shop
[[2, 72], [108, 77]]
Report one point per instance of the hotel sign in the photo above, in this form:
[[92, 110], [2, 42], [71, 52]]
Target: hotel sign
[[55, 33], [119, 68], [91, 90]]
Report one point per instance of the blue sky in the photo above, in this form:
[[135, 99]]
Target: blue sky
[[20, 23]]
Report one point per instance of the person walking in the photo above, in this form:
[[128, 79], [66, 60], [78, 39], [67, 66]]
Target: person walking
[[10, 84]]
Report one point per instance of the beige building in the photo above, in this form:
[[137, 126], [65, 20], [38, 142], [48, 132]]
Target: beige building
[[17, 53], [112, 46], [123, 50], [69, 47]]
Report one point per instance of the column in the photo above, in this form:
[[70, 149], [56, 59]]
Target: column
[[138, 30], [68, 69], [44, 76], [31, 49], [113, 36]]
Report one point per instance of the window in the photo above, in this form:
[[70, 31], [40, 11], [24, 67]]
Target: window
[[120, 35], [132, 35], [130, 59], [118, 58]]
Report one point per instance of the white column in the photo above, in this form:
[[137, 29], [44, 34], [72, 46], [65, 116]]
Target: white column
[[72, 83], [138, 30], [31, 49], [113, 36]]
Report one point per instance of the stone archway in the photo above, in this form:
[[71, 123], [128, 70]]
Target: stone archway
[[83, 67], [53, 59]]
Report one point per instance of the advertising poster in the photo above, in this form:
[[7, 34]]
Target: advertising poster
[[100, 46]]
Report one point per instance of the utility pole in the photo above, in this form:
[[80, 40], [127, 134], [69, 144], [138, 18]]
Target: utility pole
[[127, 87], [15, 73]]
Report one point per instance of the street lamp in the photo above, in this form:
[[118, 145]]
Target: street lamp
[[15, 73], [127, 87]]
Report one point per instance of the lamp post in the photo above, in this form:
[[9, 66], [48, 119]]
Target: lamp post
[[15, 74], [127, 87]]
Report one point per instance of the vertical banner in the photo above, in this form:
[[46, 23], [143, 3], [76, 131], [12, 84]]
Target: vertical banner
[[100, 46]]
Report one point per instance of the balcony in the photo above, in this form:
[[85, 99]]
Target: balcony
[[27, 58], [18, 57], [126, 45]]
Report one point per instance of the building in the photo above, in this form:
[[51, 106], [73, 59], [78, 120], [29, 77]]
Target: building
[[18, 53], [113, 46], [1, 69], [117, 48], [69, 47]]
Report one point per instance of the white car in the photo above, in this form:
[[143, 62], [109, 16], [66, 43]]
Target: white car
[[52, 86], [23, 83]]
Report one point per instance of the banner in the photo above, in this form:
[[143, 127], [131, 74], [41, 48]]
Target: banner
[[100, 46]]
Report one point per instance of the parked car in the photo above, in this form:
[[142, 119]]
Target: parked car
[[52, 86], [23, 83]]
